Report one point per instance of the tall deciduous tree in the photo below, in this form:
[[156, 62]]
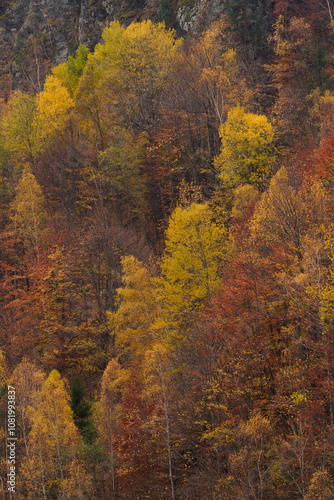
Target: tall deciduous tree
[[128, 75], [288, 214], [196, 247], [136, 64], [138, 309], [52, 466], [246, 149], [299, 66], [112, 386], [28, 213], [54, 105], [27, 380], [19, 135]]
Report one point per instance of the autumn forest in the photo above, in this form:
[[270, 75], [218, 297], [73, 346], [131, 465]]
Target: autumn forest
[[167, 262]]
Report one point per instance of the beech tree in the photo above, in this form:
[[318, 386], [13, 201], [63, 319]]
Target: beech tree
[[138, 311], [128, 74], [54, 105], [28, 213], [27, 380], [246, 152], [19, 134], [288, 213], [112, 387], [53, 466], [196, 247]]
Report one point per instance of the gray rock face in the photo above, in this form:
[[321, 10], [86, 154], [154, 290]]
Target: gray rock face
[[57, 24], [200, 14], [48, 31]]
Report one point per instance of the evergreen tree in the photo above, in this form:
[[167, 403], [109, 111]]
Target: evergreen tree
[[82, 411]]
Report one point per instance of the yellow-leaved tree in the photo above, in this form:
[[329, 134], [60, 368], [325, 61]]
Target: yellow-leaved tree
[[140, 328], [126, 76], [18, 132], [152, 313], [246, 148], [151, 308], [52, 467], [112, 385], [288, 214], [54, 106], [27, 380], [138, 309], [28, 213], [196, 247]]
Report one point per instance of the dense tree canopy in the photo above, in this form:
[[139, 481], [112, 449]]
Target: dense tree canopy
[[167, 262]]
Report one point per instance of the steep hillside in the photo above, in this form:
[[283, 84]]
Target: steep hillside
[[167, 250]]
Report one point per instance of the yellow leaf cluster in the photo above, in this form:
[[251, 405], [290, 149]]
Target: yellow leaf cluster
[[28, 214], [246, 141], [138, 309], [54, 106], [196, 247], [18, 131]]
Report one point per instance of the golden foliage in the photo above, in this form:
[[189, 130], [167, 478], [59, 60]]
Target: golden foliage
[[246, 150], [196, 247], [28, 214]]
